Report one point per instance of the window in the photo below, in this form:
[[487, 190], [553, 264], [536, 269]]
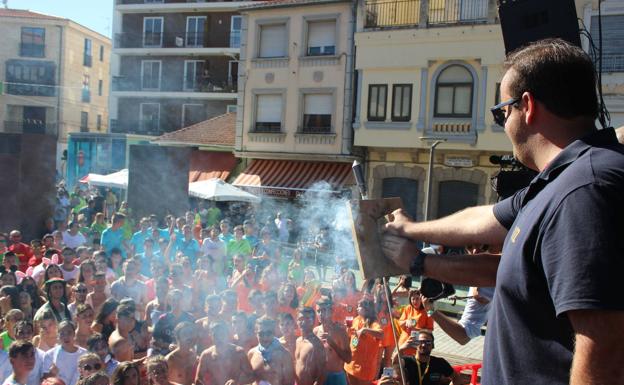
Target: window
[[404, 188], [153, 1], [612, 41], [193, 113], [87, 58], [377, 95], [235, 30], [273, 41], [231, 108], [193, 73], [101, 53], [84, 121], [195, 26], [98, 122], [321, 38], [268, 113], [233, 74], [149, 120], [152, 31], [30, 77], [150, 75], [33, 42], [86, 92], [100, 87], [454, 93], [401, 102], [317, 113], [455, 195]]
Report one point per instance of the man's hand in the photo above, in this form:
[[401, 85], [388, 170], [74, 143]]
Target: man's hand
[[397, 222], [400, 250]]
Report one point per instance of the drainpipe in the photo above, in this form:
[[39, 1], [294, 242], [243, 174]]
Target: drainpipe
[[347, 128], [59, 94]]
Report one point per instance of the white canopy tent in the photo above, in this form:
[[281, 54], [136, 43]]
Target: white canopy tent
[[217, 190], [117, 179]]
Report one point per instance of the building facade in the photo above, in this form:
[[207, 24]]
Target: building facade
[[55, 76], [429, 71], [174, 63], [295, 94]]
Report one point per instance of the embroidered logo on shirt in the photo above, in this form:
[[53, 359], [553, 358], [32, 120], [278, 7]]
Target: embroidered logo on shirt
[[515, 234]]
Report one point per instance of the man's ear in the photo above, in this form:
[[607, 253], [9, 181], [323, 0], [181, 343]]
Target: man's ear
[[530, 108]]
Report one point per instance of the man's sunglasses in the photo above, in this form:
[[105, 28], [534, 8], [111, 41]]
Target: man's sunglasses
[[500, 115], [96, 366], [424, 343]]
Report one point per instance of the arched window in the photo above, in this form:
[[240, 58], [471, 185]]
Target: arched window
[[453, 94]]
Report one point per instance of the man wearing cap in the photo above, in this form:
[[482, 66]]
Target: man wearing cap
[[55, 293]]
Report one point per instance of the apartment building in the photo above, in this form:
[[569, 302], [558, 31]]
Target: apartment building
[[428, 71], [174, 63], [295, 96], [55, 76]]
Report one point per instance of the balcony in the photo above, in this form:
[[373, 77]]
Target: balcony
[[28, 126], [173, 39], [426, 13], [32, 50], [140, 127], [202, 85], [19, 87], [179, 6]]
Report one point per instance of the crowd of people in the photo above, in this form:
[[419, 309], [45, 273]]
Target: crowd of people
[[213, 297]]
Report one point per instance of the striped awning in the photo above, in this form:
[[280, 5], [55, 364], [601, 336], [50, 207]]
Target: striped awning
[[288, 178]]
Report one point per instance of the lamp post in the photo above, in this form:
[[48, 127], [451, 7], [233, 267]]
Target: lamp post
[[432, 148]]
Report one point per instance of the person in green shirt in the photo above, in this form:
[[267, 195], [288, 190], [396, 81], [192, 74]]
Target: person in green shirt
[[12, 317], [98, 226], [213, 215], [238, 245]]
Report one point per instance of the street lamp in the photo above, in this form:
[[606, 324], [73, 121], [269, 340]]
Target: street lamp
[[432, 148]]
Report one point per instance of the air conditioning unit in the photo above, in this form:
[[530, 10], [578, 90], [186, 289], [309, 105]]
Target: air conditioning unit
[[179, 41]]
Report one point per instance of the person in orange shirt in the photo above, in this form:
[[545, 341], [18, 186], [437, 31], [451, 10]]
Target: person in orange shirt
[[387, 320], [365, 337], [241, 282], [413, 318], [287, 299], [353, 295]]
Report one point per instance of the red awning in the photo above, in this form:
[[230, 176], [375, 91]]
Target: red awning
[[287, 177], [210, 164]]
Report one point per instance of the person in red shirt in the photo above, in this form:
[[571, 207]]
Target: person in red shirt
[[38, 250], [22, 250]]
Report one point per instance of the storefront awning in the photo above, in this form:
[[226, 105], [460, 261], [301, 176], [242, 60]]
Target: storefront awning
[[207, 165], [289, 178]]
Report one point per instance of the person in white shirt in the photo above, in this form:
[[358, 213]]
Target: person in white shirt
[[62, 361], [24, 331], [72, 237], [70, 271], [129, 286], [22, 358]]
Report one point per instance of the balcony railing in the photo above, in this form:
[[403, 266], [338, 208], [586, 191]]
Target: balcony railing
[[32, 50], [29, 126], [410, 13], [267, 127], [173, 39], [142, 127], [220, 84], [19, 87]]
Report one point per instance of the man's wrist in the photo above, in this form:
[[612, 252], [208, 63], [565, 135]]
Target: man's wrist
[[417, 266]]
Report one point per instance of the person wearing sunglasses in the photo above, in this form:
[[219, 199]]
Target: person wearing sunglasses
[[561, 235], [88, 364], [423, 368]]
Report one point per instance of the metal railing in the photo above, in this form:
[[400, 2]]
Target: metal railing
[[235, 39], [29, 127], [32, 50], [173, 39], [612, 63], [142, 127], [407, 13], [217, 84], [19, 87], [272, 128]]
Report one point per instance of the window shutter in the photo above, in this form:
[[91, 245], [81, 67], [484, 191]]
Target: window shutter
[[318, 104], [269, 109], [272, 41], [322, 34]]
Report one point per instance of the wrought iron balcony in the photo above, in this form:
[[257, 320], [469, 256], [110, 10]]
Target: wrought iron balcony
[[174, 39], [29, 126]]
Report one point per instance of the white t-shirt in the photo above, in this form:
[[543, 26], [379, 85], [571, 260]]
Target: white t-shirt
[[5, 366], [73, 241], [67, 363], [34, 378], [69, 275]]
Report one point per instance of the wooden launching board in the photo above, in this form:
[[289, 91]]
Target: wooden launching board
[[367, 220]]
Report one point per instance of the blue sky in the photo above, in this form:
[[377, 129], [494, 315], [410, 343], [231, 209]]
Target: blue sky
[[94, 14]]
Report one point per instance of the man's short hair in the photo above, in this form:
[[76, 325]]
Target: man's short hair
[[266, 322], [558, 74], [20, 347], [118, 217], [155, 361], [14, 315]]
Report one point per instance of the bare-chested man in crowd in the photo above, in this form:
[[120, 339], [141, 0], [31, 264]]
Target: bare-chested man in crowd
[[289, 336], [182, 360], [270, 362], [223, 363], [212, 306], [310, 354], [336, 341]]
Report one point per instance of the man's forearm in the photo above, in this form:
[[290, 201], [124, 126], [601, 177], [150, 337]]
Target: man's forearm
[[451, 327], [474, 225], [470, 270]]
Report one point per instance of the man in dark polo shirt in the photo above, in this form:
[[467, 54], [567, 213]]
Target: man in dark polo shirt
[[556, 315]]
